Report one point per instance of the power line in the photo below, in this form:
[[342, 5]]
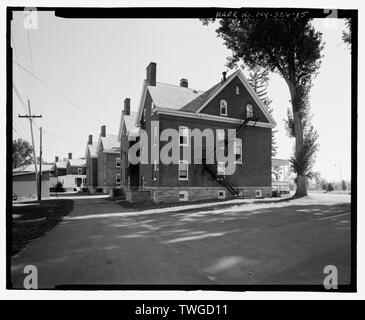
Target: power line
[[20, 74], [30, 51], [18, 95], [56, 91], [17, 132]]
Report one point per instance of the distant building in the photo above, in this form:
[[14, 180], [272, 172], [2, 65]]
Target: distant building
[[108, 164], [280, 176], [71, 173], [24, 181]]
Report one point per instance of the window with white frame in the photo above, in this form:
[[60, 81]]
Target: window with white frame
[[155, 169], [184, 136], [152, 108], [223, 108], [155, 136], [144, 114], [258, 193], [221, 194], [249, 111], [237, 90], [117, 162], [221, 168], [238, 150], [79, 170], [183, 170], [183, 195], [117, 178]]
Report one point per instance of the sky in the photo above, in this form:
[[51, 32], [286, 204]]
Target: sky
[[90, 66]]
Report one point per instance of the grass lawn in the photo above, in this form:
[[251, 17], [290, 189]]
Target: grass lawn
[[33, 219]]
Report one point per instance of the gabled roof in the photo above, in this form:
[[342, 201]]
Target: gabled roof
[[61, 164], [91, 149], [185, 101], [171, 96], [77, 162], [110, 143], [195, 105], [129, 122]]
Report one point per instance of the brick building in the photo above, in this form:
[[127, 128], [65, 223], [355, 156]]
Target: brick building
[[108, 164], [230, 104]]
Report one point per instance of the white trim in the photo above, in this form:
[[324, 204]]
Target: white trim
[[155, 135], [234, 150], [258, 193], [186, 195], [116, 175], [225, 107], [210, 117], [187, 170], [141, 102], [224, 194], [116, 162], [155, 170], [250, 90], [249, 110], [187, 136]]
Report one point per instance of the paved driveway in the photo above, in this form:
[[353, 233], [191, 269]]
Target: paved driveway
[[282, 243]]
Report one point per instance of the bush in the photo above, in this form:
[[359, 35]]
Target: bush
[[330, 187], [58, 187]]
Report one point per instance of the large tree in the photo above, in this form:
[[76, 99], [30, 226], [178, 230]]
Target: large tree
[[22, 153], [292, 47], [258, 79]]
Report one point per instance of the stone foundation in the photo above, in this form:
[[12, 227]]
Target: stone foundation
[[138, 195], [172, 194]]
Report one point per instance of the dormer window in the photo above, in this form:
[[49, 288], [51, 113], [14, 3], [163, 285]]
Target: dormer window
[[237, 90], [249, 111], [223, 108]]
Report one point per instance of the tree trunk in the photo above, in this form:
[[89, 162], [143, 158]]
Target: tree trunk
[[298, 131]]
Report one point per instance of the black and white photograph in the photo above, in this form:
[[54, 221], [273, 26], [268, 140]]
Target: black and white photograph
[[194, 148]]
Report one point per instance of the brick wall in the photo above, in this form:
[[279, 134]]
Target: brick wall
[[91, 171], [74, 169], [107, 169]]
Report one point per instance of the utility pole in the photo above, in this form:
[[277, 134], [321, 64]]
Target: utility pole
[[30, 117], [40, 165]]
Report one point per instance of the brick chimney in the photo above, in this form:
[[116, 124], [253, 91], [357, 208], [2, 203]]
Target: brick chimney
[[90, 141], [56, 159], [151, 74], [184, 83], [69, 155], [127, 107], [103, 131]]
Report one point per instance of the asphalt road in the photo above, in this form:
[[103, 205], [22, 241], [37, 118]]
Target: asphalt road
[[282, 243]]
